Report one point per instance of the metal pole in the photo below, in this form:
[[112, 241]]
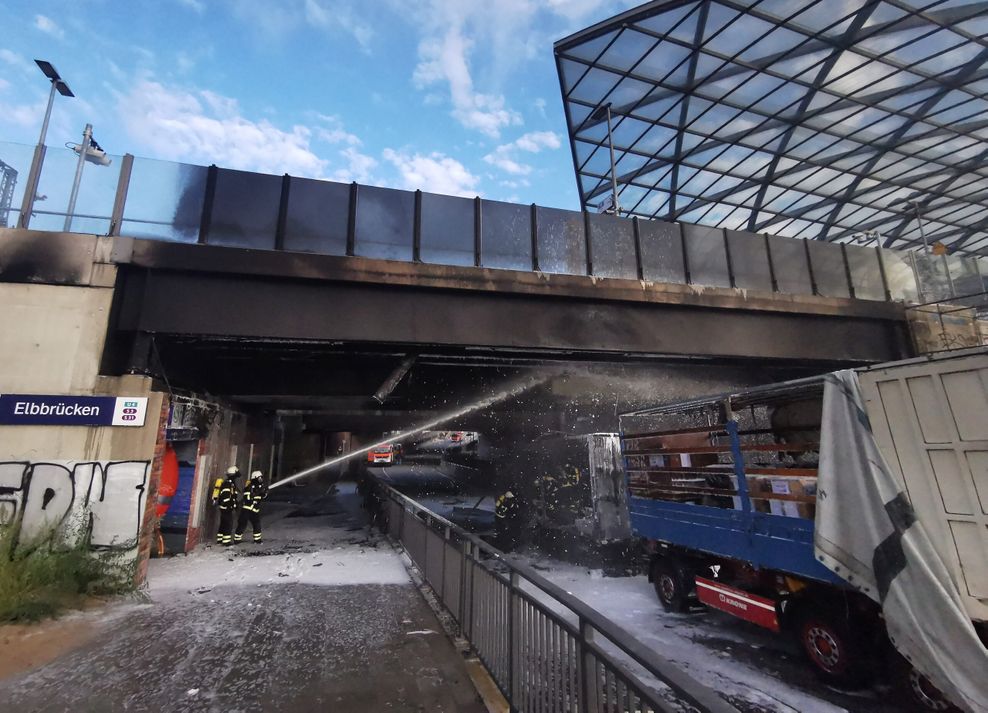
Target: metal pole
[[31, 187], [610, 143], [87, 136], [919, 220]]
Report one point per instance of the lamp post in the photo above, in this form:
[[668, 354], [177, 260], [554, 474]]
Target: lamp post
[[91, 151], [31, 187], [600, 113], [919, 219]]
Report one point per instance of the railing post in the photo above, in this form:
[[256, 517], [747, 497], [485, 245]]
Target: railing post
[[514, 653], [686, 254], [351, 222], [535, 237], [847, 271], [638, 248], [120, 199], [207, 204], [771, 263], [279, 230], [809, 267], [730, 264], [478, 232], [588, 671], [464, 551], [881, 269], [417, 229], [588, 241], [31, 187]]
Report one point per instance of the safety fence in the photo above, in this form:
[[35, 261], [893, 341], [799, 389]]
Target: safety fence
[[165, 200], [546, 650]]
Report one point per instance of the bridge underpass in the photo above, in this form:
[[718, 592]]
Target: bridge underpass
[[311, 339]]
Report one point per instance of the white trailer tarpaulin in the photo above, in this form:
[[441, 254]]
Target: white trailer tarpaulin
[[868, 533]]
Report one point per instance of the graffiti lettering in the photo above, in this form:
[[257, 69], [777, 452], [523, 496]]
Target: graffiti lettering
[[96, 503]]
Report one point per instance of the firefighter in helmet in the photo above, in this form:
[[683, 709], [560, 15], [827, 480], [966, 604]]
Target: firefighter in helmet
[[507, 508], [225, 498], [255, 490]]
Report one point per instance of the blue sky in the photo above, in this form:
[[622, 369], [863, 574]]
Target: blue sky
[[448, 96]]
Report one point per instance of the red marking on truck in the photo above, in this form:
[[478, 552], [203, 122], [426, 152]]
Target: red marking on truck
[[742, 604]]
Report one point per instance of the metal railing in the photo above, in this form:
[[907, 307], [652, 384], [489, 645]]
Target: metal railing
[[546, 650], [949, 324], [164, 200]]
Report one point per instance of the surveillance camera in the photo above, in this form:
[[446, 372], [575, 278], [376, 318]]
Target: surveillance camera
[[94, 155]]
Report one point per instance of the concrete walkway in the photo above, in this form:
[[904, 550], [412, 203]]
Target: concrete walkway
[[321, 617]]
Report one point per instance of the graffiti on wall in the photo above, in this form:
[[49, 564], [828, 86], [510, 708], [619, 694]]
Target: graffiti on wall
[[66, 503]]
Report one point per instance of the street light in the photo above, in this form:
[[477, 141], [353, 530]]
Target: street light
[[599, 114], [31, 188]]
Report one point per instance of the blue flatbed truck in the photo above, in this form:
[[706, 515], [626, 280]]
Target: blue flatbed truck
[[722, 492]]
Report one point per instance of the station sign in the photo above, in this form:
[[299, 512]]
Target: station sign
[[49, 410]]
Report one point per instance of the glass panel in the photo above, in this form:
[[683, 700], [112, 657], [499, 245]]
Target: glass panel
[[828, 269], [15, 164], [318, 212], [964, 275], [933, 282], [707, 256], [613, 246], [447, 229], [506, 233], [900, 276], [164, 201], [562, 246], [385, 223], [662, 251], [792, 272], [245, 209], [749, 260], [866, 273], [94, 204]]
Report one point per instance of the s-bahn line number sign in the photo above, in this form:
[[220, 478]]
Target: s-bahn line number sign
[[55, 410]]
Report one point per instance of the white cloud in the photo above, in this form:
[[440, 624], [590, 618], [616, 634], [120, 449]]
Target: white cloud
[[475, 47], [444, 57], [535, 141], [359, 167], [3, 84], [436, 173], [47, 25], [505, 155], [318, 14], [332, 132], [13, 59], [196, 5], [202, 126]]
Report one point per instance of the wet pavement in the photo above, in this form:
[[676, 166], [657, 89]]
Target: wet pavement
[[320, 617]]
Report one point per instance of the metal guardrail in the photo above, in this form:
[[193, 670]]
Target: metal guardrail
[[546, 650]]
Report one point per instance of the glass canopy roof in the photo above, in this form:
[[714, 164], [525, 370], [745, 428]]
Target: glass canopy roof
[[805, 118]]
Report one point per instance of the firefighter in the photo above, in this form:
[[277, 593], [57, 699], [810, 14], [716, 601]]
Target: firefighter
[[225, 498], [506, 522], [255, 490]]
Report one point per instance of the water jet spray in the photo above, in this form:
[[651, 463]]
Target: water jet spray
[[502, 395]]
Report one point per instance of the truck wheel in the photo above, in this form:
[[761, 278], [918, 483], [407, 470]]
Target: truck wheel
[[836, 653], [915, 690], [671, 584]]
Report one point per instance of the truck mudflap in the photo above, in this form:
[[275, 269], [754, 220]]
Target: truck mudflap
[[742, 604]]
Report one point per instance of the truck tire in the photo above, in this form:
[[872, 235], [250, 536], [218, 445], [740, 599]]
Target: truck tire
[[838, 654], [672, 584], [916, 692]]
